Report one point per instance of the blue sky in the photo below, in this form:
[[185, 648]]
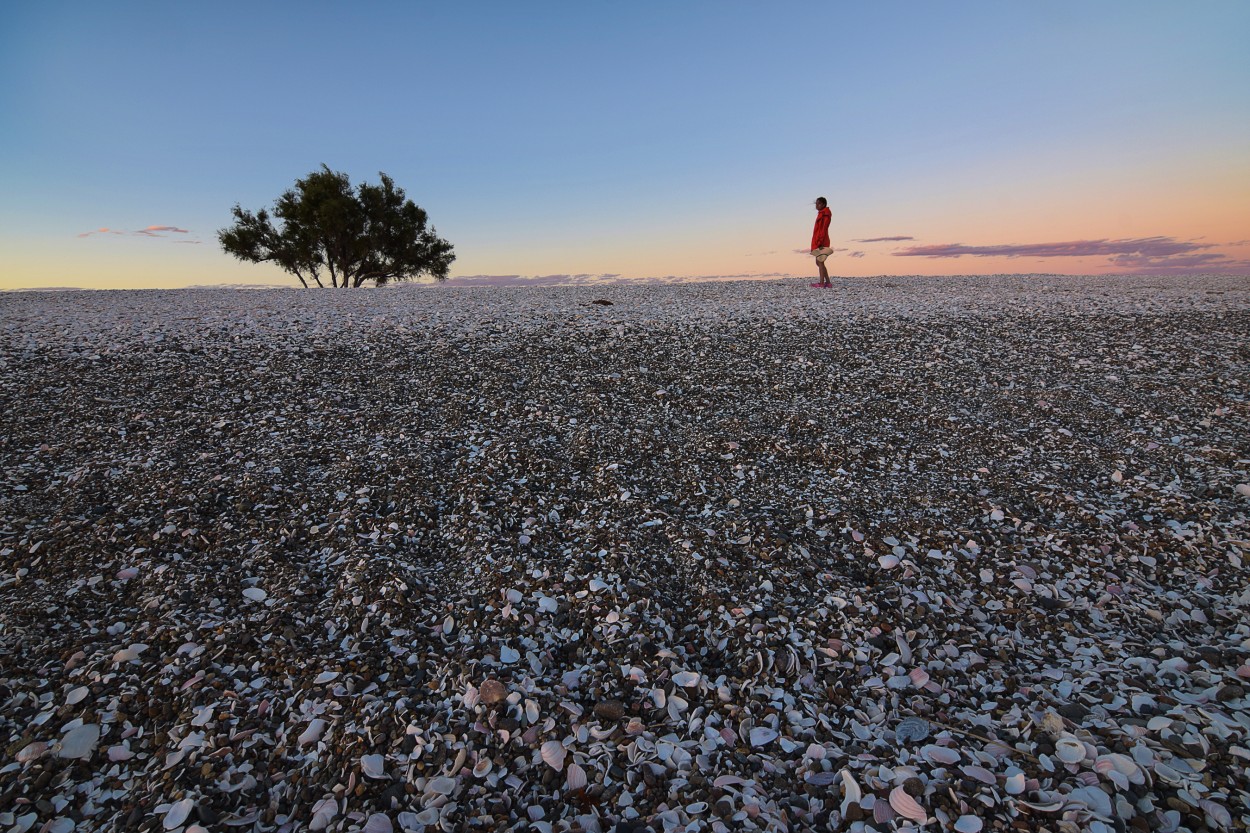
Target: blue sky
[[644, 139]]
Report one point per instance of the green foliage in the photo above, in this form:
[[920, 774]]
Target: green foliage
[[372, 233]]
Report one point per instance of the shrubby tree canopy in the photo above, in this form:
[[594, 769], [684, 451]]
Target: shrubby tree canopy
[[372, 233]]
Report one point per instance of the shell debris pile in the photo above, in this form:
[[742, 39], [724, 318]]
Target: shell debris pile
[[912, 553]]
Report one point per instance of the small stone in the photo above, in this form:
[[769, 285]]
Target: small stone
[[609, 710], [492, 692], [1232, 691]]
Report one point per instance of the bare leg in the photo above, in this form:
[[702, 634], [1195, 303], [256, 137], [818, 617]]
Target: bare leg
[[824, 273]]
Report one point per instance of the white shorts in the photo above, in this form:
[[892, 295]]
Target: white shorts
[[821, 254]]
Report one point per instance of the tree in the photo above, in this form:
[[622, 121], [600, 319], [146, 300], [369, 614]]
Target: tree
[[373, 233]]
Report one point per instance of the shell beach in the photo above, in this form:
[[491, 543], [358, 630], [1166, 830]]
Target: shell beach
[[908, 554]]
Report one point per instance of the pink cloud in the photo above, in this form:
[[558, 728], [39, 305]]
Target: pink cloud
[[1142, 255], [150, 231], [157, 231], [857, 254], [885, 239], [1142, 246]]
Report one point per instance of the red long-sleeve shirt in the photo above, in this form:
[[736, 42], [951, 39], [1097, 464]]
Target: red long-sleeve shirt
[[820, 234]]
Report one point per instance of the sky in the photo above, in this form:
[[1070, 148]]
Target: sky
[[594, 140]]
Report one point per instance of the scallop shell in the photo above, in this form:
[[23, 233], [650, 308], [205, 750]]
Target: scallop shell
[[762, 736], [553, 753], [575, 777], [1069, 750], [906, 806]]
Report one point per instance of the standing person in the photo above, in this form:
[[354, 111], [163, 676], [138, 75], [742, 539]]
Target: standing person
[[820, 240]]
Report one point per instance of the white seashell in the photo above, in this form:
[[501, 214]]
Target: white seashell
[[906, 806], [762, 736], [77, 695], [441, 785], [255, 594], [126, 655], [508, 654], [1168, 775], [80, 742], [851, 793], [379, 823], [968, 824], [408, 820], [324, 812], [1095, 799], [127, 573], [553, 753], [918, 677], [373, 766], [1217, 813], [119, 753], [31, 752], [686, 679], [178, 813], [935, 754], [979, 773], [483, 767], [576, 777], [312, 734], [1069, 750], [888, 562], [23, 823], [325, 677], [883, 812], [598, 585], [1014, 785], [60, 824]]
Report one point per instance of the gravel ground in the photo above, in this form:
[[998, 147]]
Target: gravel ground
[[942, 553]]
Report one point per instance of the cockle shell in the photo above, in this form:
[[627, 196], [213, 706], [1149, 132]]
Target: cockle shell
[[553, 753]]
